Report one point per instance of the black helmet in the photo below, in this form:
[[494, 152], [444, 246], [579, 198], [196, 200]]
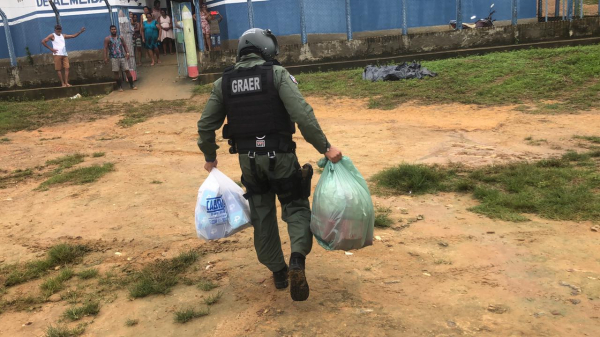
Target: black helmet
[[260, 41]]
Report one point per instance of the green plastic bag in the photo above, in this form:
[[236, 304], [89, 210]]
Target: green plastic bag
[[342, 215]]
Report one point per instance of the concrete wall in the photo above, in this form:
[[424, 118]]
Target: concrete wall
[[392, 45], [87, 67]]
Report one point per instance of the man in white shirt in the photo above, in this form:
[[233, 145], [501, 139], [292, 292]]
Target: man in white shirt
[[59, 50]]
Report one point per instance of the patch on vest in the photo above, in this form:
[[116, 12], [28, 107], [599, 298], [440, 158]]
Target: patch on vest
[[294, 79], [246, 85]]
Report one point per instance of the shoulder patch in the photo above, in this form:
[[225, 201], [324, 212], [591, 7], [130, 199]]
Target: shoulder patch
[[293, 79]]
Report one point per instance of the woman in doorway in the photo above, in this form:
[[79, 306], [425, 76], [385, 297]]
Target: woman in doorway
[[137, 38], [151, 37], [167, 36], [205, 17]]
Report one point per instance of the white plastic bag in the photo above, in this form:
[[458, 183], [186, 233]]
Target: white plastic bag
[[221, 209]]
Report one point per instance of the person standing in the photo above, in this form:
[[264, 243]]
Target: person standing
[[262, 104], [59, 50], [215, 30], [167, 36], [150, 38], [145, 14], [116, 49], [137, 39], [205, 17], [156, 10]]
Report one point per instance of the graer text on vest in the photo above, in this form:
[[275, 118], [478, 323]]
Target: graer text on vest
[[250, 84]]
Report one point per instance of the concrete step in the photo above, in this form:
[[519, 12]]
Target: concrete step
[[57, 92]]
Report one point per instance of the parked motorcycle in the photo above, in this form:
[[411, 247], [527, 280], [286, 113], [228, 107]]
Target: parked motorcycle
[[481, 23]]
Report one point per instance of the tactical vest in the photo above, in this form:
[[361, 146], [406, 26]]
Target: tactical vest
[[252, 103]]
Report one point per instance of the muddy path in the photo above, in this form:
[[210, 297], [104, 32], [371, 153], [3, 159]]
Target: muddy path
[[447, 272]]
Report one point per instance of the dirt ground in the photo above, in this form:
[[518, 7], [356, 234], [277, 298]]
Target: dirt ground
[[453, 273]]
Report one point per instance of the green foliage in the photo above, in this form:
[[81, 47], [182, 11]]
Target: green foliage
[[186, 315], [563, 188], [57, 255], [30, 115], [206, 285], [531, 75], [98, 154], [62, 331], [77, 313], [80, 176], [66, 162], [56, 284], [592, 139], [212, 299], [88, 274], [131, 322], [412, 179], [159, 277], [15, 177], [382, 217]]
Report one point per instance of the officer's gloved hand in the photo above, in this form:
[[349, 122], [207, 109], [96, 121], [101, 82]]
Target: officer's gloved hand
[[334, 155], [210, 165]]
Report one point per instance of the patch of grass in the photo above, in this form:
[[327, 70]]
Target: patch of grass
[[131, 322], [134, 117], [412, 179], [98, 154], [53, 138], [15, 177], [206, 285], [56, 284], [186, 315], [591, 139], [111, 281], [80, 176], [88, 274], [160, 276], [71, 296], [62, 331], [156, 182], [382, 217], [563, 188], [77, 313], [515, 77], [60, 254], [212, 299], [203, 89], [4, 140], [21, 303], [30, 115], [536, 142], [140, 113], [65, 253], [66, 162]]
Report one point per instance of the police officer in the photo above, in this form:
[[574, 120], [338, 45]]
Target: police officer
[[262, 104]]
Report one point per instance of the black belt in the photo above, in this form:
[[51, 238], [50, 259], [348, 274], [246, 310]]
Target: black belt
[[265, 145]]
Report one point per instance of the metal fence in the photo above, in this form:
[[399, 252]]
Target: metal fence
[[341, 18]]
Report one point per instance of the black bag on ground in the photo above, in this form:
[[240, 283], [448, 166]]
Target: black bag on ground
[[397, 72]]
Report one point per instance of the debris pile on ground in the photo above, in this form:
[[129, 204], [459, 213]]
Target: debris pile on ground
[[395, 73]]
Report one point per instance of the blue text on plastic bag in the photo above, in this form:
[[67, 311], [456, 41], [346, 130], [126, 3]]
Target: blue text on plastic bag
[[221, 209]]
